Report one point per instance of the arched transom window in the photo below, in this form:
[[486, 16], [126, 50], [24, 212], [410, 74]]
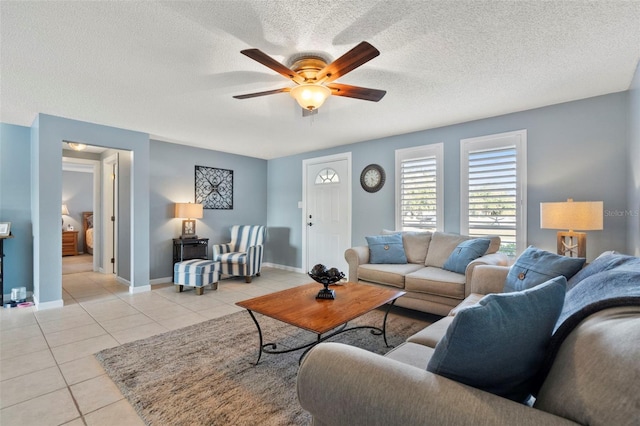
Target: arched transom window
[[327, 175]]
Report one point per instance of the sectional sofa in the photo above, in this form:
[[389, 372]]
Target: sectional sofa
[[429, 286], [588, 369]]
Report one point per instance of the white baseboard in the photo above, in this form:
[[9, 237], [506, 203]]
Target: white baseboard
[[48, 305], [283, 267], [132, 289], [141, 289]]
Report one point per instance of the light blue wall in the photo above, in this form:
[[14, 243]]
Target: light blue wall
[[47, 134], [172, 177], [169, 171], [633, 216], [284, 186], [579, 149], [576, 149], [15, 205]]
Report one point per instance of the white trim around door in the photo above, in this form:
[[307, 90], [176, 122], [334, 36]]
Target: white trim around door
[[346, 211]]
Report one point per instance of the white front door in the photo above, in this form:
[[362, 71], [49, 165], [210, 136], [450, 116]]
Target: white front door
[[327, 211]]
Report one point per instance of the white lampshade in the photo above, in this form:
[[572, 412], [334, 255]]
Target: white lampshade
[[65, 210], [310, 96], [189, 210], [572, 215]]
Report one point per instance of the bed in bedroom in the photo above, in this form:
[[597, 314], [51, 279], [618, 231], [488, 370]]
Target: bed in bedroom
[[87, 227]]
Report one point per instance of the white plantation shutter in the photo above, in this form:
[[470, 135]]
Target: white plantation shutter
[[418, 197], [492, 197], [418, 192]]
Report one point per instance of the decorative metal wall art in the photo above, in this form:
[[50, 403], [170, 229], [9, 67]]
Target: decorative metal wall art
[[214, 188]]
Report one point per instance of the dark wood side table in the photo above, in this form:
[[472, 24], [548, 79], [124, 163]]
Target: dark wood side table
[[69, 243], [2, 268], [190, 248]]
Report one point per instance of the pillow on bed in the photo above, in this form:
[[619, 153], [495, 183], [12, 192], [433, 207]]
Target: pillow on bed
[[90, 221]]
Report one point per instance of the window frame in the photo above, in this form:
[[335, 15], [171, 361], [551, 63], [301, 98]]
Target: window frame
[[327, 181], [431, 150], [517, 139]]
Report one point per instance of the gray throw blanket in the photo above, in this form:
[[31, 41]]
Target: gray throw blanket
[[610, 281]]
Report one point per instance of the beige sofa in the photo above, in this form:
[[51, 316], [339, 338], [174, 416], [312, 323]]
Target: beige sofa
[[592, 381], [429, 287]]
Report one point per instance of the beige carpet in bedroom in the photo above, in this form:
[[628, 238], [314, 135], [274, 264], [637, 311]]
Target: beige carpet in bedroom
[[76, 264]]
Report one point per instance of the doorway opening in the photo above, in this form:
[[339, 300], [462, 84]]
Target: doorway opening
[[80, 189], [93, 209]]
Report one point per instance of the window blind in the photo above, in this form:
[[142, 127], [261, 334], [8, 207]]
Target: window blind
[[418, 193], [492, 195]]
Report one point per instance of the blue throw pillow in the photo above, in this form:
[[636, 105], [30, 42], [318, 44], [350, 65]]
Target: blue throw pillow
[[386, 249], [465, 253], [535, 266], [499, 344]]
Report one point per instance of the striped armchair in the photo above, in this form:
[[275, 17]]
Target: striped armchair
[[243, 255]]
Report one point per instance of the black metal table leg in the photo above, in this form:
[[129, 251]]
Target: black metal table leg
[[384, 322], [271, 348], [259, 334]]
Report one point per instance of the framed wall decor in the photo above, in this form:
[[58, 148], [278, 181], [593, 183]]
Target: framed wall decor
[[5, 229], [214, 188]]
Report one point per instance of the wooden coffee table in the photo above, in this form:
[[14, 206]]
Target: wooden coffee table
[[299, 307]]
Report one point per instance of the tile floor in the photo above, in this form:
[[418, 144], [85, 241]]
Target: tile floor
[[48, 374]]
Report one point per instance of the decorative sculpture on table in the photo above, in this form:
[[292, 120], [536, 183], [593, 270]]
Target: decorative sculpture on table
[[326, 277]]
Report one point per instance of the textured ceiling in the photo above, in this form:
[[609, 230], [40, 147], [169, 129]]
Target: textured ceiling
[[170, 69]]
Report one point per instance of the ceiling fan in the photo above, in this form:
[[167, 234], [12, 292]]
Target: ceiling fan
[[314, 77]]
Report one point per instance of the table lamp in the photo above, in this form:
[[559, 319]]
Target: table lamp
[[65, 211], [574, 216], [190, 212]]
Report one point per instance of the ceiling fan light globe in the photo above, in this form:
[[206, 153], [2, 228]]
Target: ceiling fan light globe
[[310, 96], [77, 146]]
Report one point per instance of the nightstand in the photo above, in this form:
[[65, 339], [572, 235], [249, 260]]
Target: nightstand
[[69, 243], [190, 248]]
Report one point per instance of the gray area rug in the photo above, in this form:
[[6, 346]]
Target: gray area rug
[[205, 374]]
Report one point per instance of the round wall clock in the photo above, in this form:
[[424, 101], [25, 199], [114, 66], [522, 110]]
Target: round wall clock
[[372, 178]]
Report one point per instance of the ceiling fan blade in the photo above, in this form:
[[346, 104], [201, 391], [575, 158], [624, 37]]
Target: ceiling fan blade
[[361, 54], [356, 92], [268, 61], [268, 92]]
